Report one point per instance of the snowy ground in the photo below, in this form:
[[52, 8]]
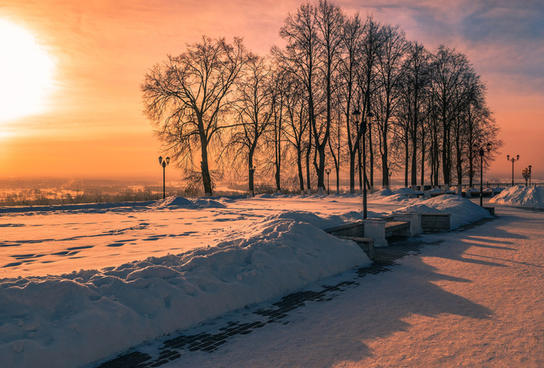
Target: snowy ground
[[208, 257], [474, 300], [89, 237]]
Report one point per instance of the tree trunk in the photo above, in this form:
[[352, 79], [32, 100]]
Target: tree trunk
[[371, 151], [206, 178], [422, 156], [360, 169], [299, 170], [446, 158], [406, 158], [414, 159], [308, 152], [385, 158], [352, 172], [251, 173]]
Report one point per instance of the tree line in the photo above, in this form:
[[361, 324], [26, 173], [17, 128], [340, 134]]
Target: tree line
[[339, 83]]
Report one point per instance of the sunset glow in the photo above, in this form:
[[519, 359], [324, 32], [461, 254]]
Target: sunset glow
[[99, 53], [26, 72]]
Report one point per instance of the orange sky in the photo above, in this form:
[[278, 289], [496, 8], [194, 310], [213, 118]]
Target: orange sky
[[94, 125]]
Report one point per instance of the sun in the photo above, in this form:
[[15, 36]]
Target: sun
[[26, 73]]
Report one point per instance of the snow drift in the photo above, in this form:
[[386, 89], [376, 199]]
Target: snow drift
[[77, 318], [521, 196], [177, 202], [462, 210]]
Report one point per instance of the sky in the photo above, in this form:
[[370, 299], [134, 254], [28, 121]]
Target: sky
[[92, 123]]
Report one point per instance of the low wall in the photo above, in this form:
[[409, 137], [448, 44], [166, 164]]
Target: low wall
[[435, 222]]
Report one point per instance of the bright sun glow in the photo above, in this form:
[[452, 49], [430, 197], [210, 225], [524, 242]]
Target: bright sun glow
[[26, 73]]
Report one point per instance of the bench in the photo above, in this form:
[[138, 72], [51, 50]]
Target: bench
[[411, 217]]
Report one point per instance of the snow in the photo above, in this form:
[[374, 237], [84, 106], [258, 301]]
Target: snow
[[80, 282], [462, 210], [54, 319], [521, 196], [473, 300]]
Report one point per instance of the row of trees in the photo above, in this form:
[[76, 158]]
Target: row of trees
[[419, 110]]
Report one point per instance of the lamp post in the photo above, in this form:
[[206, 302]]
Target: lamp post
[[328, 171], [512, 159], [530, 173], [164, 162], [525, 174], [356, 114], [481, 151]]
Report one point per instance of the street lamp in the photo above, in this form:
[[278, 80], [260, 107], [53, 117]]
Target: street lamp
[[164, 163], [328, 171], [356, 114], [512, 159], [530, 173], [525, 174], [481, 151]]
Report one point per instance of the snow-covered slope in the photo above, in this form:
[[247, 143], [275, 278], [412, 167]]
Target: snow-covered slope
[[72, 319], [521, 196]]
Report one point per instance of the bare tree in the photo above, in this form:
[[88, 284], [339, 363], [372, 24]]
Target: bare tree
[[448, 68], [297, 121], [390, 72], [253, 108], [188, 97], [349, 64], [416, 79], [330, 26], [370, 47]]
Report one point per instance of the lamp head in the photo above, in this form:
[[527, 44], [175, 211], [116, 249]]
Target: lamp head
[[160, 160], [508, 157], [167, 160], [517, 157]]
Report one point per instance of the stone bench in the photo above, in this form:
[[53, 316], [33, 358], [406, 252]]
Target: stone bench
[[414, 219], [394, 225]]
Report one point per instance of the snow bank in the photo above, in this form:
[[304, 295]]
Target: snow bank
[[175, 203], [393, 196], [77, 318], [462, 210], [321, 222], [521, 196]]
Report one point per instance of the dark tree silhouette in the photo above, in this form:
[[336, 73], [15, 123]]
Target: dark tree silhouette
[[188, 98]]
